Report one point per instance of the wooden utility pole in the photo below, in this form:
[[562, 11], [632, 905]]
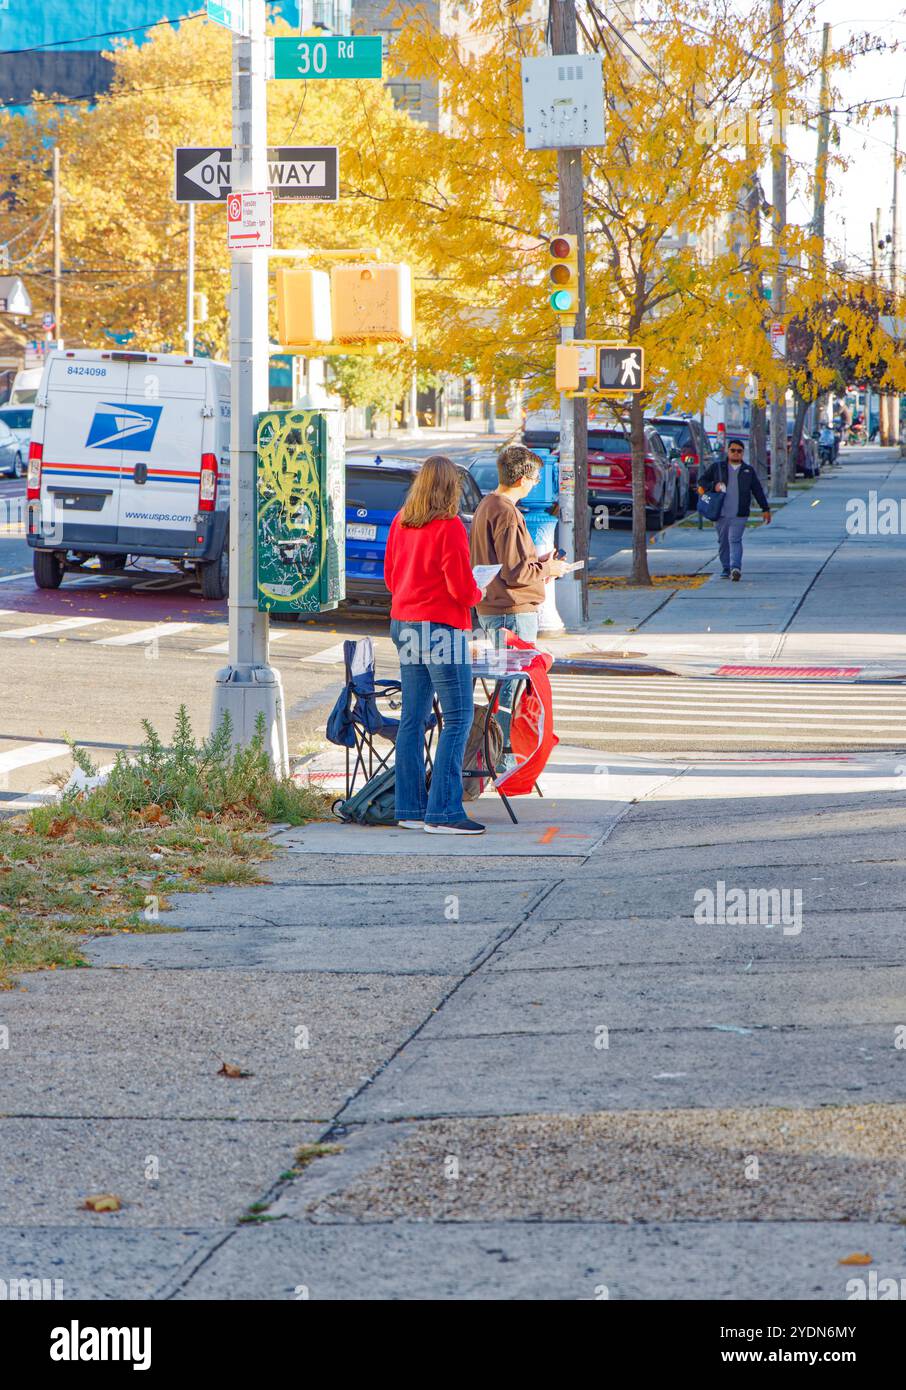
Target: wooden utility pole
[[57, 247], [564, 39], [778, 224], [758, 448]]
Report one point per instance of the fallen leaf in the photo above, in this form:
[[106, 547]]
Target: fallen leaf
[[856, 1259], [228, 1069], [104, 1201]]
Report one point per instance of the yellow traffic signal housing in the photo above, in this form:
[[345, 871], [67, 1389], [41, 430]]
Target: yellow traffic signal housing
[[371, 303], [564, 274], [303, 307], [566, 367]]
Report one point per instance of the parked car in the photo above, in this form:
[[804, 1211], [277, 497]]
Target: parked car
[[19, 418], [689, 438], [375, 490], [483, 468], [13, 453], [610, 476], [807, 461]]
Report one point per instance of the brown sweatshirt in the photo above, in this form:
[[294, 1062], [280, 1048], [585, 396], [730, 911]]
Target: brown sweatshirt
[[499, 536]]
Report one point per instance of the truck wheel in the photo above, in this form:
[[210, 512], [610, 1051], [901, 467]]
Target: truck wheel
[[215, 576], [48, 568]]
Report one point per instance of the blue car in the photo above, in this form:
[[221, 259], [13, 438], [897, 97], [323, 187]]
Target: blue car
[[376, 489]]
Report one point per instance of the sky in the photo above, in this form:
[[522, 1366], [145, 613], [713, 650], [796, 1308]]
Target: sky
[[854, 195]]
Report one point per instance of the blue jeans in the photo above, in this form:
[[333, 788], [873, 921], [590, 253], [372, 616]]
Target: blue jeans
[[525, 625], [434, 659], [730, 531]]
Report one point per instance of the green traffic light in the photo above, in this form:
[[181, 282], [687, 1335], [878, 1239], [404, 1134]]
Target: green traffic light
[[561, 300]]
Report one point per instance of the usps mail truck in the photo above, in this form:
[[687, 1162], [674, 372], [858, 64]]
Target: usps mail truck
[[130, 457]]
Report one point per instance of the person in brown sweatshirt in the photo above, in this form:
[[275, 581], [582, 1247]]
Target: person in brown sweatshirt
[[499, 536]]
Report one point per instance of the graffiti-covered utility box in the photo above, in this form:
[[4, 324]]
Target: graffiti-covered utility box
[[301, 510]]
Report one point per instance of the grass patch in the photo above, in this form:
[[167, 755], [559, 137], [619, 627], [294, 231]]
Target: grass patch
[[658, 581], [166, 820]]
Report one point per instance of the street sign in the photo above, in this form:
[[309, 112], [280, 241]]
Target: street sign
[[232, 14], [47, 320], [621, 369], [295, 173], [250, 220], [778, 339], [328, 57]]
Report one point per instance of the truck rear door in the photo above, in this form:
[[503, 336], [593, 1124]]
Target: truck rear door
[[162, 458], [82, 449]]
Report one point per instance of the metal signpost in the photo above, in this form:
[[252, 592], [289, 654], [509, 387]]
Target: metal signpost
[[248, 687]]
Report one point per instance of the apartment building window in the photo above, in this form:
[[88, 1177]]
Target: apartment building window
[[407, 96]]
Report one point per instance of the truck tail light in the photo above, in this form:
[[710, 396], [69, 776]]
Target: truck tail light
[[689, 456], [207, 486], [33, 478]]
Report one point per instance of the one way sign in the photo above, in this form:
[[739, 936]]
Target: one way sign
[[306, 173]]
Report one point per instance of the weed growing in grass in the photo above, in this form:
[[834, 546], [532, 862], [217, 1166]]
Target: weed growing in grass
[[105, 858]]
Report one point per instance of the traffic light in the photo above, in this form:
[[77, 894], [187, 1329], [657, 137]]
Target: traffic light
[[564, 274], [371, 303], [303, 307]]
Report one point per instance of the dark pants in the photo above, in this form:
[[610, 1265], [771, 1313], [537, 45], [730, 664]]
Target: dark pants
[[434, 659]]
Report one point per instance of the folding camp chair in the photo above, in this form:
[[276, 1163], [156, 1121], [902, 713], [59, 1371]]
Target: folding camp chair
[[356, 719]]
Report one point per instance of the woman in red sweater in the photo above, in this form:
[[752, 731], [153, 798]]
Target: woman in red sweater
[[429, 574]]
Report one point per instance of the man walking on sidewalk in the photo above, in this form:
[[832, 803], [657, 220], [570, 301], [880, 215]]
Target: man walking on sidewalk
[[739, 481]]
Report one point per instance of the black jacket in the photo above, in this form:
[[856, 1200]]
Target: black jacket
[[749, 484]]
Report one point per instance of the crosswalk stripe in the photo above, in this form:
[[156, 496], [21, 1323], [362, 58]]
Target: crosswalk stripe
[[145, 634], [49, 629], [768, 711], [332, 655], [223, 648], [31, 753], [9, 578], [793, 721], [696, 738]]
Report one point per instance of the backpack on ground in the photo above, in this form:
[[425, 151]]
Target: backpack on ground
[[474, 783], [373, 804]]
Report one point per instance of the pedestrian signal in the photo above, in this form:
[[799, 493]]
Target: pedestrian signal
[[564, 274]]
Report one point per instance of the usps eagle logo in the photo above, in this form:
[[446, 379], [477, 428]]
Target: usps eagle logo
[[118, 426]]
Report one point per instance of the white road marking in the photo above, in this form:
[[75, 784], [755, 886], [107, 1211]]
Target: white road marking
[[31, 753], [24, 574], [330, 655], [696, 738], [223, 648], [49, 629], [145, 634]]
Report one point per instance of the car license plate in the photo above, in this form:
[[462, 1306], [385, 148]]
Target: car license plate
[[600, 470], [357, 531]]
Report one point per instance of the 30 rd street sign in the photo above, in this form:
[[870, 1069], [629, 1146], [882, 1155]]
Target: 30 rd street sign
[[294, 172], [328, 57]]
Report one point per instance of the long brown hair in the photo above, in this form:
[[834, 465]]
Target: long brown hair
[[434, 493]]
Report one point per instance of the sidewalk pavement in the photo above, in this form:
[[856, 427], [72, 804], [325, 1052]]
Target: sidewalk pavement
[[800, 575], [546, 1078]]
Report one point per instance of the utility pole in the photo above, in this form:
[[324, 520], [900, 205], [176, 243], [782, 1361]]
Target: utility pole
[[57, 248], [892, 432], [820, 199], [778, 222], [248, 687], [758, 450], [572, 590], [190, 285]]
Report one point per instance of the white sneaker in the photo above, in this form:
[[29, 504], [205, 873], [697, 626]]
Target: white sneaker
[[411, 824]]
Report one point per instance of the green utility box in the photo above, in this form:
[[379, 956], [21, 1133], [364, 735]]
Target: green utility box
[[300, 510]]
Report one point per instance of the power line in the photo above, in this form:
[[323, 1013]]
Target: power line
[[108, 34], [118, 94]]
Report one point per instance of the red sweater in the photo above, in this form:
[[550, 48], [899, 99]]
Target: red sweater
[[429, 573]]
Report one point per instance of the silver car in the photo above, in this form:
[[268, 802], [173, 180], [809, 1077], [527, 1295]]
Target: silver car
[[13, 453]]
